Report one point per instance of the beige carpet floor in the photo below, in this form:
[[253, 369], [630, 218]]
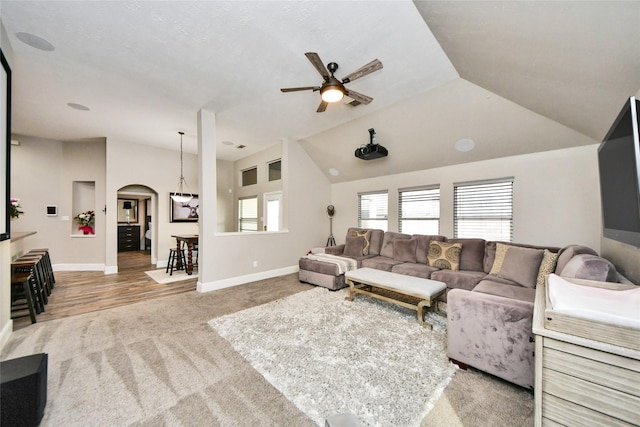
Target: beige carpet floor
[[159, 363]]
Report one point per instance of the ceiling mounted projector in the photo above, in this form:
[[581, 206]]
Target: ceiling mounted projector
[[371, 150]]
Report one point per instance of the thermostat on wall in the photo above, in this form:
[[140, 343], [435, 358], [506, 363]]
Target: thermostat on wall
[[52, 210]]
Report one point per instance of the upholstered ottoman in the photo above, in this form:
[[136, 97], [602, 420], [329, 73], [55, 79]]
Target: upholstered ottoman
[[320, 273]]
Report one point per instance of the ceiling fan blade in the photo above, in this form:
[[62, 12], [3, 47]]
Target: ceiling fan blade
[[317, 62], [362, 99], [295, 89], [322, 107], [372, 66]]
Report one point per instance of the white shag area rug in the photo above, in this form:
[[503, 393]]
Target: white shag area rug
[[330, 356], [161, 277]]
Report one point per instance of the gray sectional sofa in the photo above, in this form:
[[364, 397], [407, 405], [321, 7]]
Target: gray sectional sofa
[[490, 290]]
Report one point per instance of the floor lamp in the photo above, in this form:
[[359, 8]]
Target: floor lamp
[[331, 211]]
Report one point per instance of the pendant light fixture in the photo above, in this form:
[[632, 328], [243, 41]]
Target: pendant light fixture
[[180, 196]]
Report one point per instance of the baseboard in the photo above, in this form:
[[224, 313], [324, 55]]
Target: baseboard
[[241, 280], [112, 269], [5, 334], [79, 267]]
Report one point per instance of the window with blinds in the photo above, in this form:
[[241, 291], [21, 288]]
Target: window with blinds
[[419, 210], [248, 214], [484, 209], [373, 210]]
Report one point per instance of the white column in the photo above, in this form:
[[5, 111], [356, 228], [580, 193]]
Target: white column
[[208, 195]]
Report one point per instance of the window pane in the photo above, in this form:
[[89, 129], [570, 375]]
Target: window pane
[[274, 170], [419, 211], [248, 214], [249, 177], [373, 210], [484, 210]]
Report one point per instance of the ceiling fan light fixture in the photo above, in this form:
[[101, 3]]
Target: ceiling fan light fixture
[[180, 196], [332, 93]]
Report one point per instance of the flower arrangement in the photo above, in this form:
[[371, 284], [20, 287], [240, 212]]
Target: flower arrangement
[[15, 208], [85, 219]]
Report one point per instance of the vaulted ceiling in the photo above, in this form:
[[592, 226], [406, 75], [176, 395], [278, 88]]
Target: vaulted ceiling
[[515, 77]]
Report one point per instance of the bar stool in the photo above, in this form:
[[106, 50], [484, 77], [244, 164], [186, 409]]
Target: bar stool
[[47, 264], [41, 271], [36, 286], [21, 285], [177, 261]]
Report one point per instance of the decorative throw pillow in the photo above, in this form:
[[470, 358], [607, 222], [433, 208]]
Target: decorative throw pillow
[[405, 250], [354, 246], [521, 265], [366, 234], [501, 251], [445, 256], [547, 266]]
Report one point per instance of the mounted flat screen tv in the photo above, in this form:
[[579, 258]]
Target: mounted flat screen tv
[[619, 166]]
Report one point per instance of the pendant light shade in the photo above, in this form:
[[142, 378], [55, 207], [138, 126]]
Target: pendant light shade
[[182, 195]]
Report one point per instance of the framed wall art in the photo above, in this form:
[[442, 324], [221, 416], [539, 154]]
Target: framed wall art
[[5, 148], [184, 212]]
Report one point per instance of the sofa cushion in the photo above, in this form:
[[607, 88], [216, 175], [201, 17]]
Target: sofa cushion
[[445, 255], [490, 252], [320, 267], [380, 263], [422, 250], [501, 252], [590, 267], [495, 287], [375, 241], [472, 256], [459, 279], [568, 252], [365, 234], [521, 265], [414, 269], [512, 291], [387, 242], [547, 266], [354, 246], [405, 250]]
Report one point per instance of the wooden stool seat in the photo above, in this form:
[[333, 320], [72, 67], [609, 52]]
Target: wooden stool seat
[[21, 290], [177, 261]]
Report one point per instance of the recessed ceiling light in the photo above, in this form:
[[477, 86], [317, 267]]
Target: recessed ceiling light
[[334, 171], [465, 144], [35, 41], [227, 143], [78, 106]]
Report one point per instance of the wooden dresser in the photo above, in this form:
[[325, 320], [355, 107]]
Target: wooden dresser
[[587, 372], [128, 238]]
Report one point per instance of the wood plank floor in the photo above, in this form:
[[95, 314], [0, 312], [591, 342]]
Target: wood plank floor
[[86, 291]]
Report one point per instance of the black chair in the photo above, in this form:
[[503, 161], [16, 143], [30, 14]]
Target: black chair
[[177, 261], [21, 295]]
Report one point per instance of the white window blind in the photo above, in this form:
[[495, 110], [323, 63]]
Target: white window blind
[[248, 214], [419, 210], [373, 210], [484, 210]]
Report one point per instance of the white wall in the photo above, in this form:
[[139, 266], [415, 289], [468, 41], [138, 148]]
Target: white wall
[[556, 195], [42, 174], [129, 163], [230, 256]]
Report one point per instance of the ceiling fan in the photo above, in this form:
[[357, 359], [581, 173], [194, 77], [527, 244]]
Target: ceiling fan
[[332, 89]]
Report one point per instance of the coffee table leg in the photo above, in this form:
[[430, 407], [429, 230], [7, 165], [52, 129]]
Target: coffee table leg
[[352, 294], [420, 309]]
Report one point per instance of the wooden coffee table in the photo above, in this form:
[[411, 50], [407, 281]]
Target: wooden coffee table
[[408, 291]]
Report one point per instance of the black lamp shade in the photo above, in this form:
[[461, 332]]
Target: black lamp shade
[[127, 205]]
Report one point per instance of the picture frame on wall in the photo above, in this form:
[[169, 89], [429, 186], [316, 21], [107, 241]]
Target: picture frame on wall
[[184, 212], [5, 148]]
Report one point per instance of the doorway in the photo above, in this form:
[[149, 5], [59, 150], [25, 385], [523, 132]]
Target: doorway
[[136, 229]]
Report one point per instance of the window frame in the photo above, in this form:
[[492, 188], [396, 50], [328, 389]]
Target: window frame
[[241, 219], [362, 219], [426, 198], [497, 210]]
